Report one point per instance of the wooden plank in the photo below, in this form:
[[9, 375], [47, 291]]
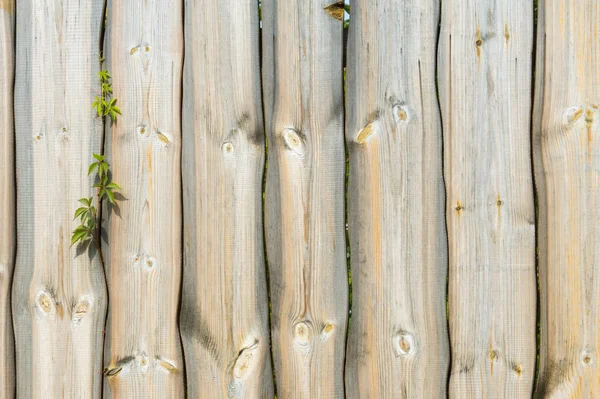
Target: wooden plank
[[398, 344], [144, 54], [304, 208], [225, 316], [485, 95], [59, 293], [567, 164], [8, 232]]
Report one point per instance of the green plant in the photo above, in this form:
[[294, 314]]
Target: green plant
[[104, 104], [89, 213]]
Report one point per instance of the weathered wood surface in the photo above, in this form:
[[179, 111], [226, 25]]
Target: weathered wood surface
[[59, 292], [225, 315], [8, 232], [144, 50], [485, 96], [398, 345], [304, 207], [567, 164]]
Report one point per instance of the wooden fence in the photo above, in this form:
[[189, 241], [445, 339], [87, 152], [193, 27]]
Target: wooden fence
[[259, 162]]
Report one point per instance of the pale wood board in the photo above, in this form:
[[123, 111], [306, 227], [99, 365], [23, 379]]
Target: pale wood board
[[567, 164], [304, 205], [59, 292], [8, 232], [485, 72], [144, 54], [225, 315], [398, 344]]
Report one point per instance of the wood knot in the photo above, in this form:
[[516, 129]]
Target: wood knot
[[493, 356], [293, 141], [458, 207], [589, 117], [403, 344], [572, 114], [400, 113], [302, 334], [365, 133], [165, 365], [246, 360], [165, 138], [517, 369], [228, 148], [80, 310], [327, 329], [45, 302], [587, 359]]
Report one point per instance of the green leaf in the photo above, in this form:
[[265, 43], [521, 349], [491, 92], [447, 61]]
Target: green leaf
[[80, 236], [79, 212], [111, 196], [101, 193], [84, 201], [92, 168], [99, 157], [113, 186]]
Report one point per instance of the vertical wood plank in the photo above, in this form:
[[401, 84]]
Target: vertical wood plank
[[302, 47], [398, 343], [567, 164], [59, 292], [225, 314], [485, 95], [144, 54], [8, 232]]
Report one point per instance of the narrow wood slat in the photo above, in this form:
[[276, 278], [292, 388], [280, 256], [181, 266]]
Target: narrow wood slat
[[225, 315], [485, 71], [8, 232], [59, 292], [144, 54], [398, 345], [567, 163], [304, 206]]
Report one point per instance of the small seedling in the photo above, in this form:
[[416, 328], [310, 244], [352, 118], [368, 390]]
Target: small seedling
[[88, 214], [104, 103]]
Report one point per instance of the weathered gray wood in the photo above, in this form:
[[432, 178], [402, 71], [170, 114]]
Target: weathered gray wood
[[8, 232], [485, 96], [398, 345], [144, 50], [224, 317], [567, 164], [59, 294], [304, 208]]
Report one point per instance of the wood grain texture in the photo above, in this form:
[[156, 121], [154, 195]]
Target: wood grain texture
[[485, 56], [225, 314], [8, 231], [398, 345], [304, 208], [567, 164], [144, 53], [59, 292]]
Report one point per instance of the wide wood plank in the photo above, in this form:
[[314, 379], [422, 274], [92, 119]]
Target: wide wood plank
[[59, 292], [567, 164], [485, 70], [8, 232], [225, 314], [398, 345], [144, 54], [304, 208]]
